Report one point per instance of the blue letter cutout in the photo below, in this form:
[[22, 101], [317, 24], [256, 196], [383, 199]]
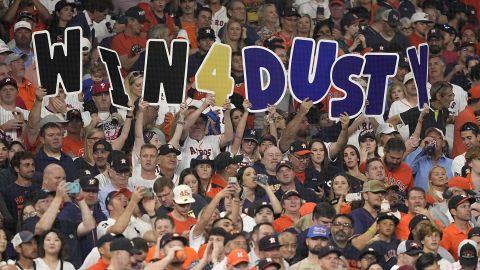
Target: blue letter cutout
[[265, 77], [419, 68], [345, 67], [379, 67], [309, 71]]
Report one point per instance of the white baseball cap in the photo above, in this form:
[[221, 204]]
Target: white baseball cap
[[4, 48], [22, 24], [408, 77], [385, 128], [86, 45], [182, 194], [420, 17]]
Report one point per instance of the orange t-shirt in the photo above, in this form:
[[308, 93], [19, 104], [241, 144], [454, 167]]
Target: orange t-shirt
[[100, 265], [73, 147], [123, 44], [403, 231], [26, 91], [467, 115], [452, 237], [416, 40], [282, 223], [182, 226], [191, 29], [190, 252]]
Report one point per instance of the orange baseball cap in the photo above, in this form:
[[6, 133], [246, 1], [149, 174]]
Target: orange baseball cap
[[460, 182], [237, 256]]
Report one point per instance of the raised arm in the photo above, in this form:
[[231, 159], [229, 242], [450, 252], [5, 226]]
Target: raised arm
[[336, 147], [88, 221], [11, 11], [270, 122], [192, 118], [292, 127], [32, 129], [227, 136], [119, 142], [238, 137], [139, 140], [122, 222], [179, 124], [42, 11], [277, 207], [48, 218]]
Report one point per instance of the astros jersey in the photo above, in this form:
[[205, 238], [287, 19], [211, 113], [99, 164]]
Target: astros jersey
[[209, 146]]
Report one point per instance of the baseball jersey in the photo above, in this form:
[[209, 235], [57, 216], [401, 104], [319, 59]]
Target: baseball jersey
[[135, 228], [6, 115], [209, 146], [387, 252], [219, 19]]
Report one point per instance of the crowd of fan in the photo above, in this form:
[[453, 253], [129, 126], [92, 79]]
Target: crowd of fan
[[86, 185]]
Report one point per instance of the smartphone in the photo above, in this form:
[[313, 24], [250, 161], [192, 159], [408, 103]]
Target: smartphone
[[73, 188], [353, 197], [261, 179], [232, 180]]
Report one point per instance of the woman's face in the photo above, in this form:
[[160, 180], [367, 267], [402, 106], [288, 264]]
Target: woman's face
[[369, 144], [204, 171], [155, 140], [318, 153], [325, 121], [270, 14], [340, 186], [237, 63], [236, 116], [65, 14], [280, 121], [352, 29], [234, 31], [52, 243], [136, 87], [15, 148], [397, 94], [3, 241], [95, 137], [350, 158], [439, 177], [248, 178], [304, 25], [248, 146], [292, 204], [191, 181], [3, 152]]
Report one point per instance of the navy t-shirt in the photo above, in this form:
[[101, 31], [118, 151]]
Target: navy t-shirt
[[387, 252], [363, 220]]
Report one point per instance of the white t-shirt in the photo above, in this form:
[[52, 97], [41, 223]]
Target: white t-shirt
[[135, 228], [6, 115], [41, 265], [138, 181], [196, 242], [209, 146]]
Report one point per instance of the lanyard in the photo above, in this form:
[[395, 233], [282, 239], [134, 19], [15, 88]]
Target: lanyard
[[21, 268]]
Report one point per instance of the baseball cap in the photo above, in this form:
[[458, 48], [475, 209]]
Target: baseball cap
[[40, 194], [374, 186], [205, 32], [106, 238], [255, 207], [446, 28], [364, 134], [289, 12], [51, 118], [250, 135], [461, 183], [467, 253], [137, 13], [268, 137], [318, 231], [86, 45], [21, 25], [409, 247], [14, 57], [125, 244], [4, 48], [268, 242], [324, 251], [119, 161], [300, 148], [22, 237], [89, 182], [434, 33], [388, 215], [63, 3], [237, 256], [201, 159], [456, 200], [416, 220], [166, 149], [100, 87], [337, 2], [223, 160], [263, 264], [115, 193], [474, 93], [8, 81], [392, 17], [284, 163], [408, 77], [106, 146], [289, 194], [385, 128], [475, 231], [182, 194], [368, 251], [349, 19], [467, 27], [420, 17], [25, 15], [169, 237], [74, 114]]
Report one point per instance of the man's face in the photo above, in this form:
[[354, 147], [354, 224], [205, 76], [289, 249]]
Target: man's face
[[264, 215], [100, 156], [271, 158], [238, 11], [421, 28], [463, 212], [289, 245], [325, 221], [23, 37], [376, 171], [337, 11], [135, 25], [205, 44], [289, 24], [225, 224], [264, 230], [90, 195], [342, 229], [315, 244], [118, 203], [171, 245], [299, 162], [329, 262], [416, 199], [285, 175], [53, 138], [436, 68], [292, 204], [99, 16], [8, 94], [386, 227], [4, 70], [148, 159], [158, 5], [469, 139], [42, 205], [165, 197], [182, 209], [53, 178], [432, 241], [374, 199], [102, 101], [26, 168], [435, 45], [168, 161], [163, 226], [393, 159], [466, 52], [204, 19], [469, 36], [17, 68], [29, 250], [187, 6]]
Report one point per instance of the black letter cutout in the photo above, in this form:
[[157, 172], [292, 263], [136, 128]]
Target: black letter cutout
[[166, 72], [117, 91], [59, 63]]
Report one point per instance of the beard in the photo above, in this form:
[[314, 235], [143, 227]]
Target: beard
[[391, 166], [340, 237], [435, 49]]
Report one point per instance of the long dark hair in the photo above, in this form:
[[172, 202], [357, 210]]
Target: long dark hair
[[356, 152], [62, 254], [326, 159], [258, 190]]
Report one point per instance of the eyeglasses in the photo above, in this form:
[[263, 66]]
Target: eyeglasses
[[29, 215], [301, 158], [344, 225], [95, 138]]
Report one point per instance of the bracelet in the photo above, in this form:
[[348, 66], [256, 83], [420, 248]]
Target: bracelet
[[180, 122], [129, 116]]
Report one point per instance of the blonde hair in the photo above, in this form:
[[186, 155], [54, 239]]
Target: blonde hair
[[430, 189], [260, 14], [88, 152], [129, 80], [236, 46], [394, 86]]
